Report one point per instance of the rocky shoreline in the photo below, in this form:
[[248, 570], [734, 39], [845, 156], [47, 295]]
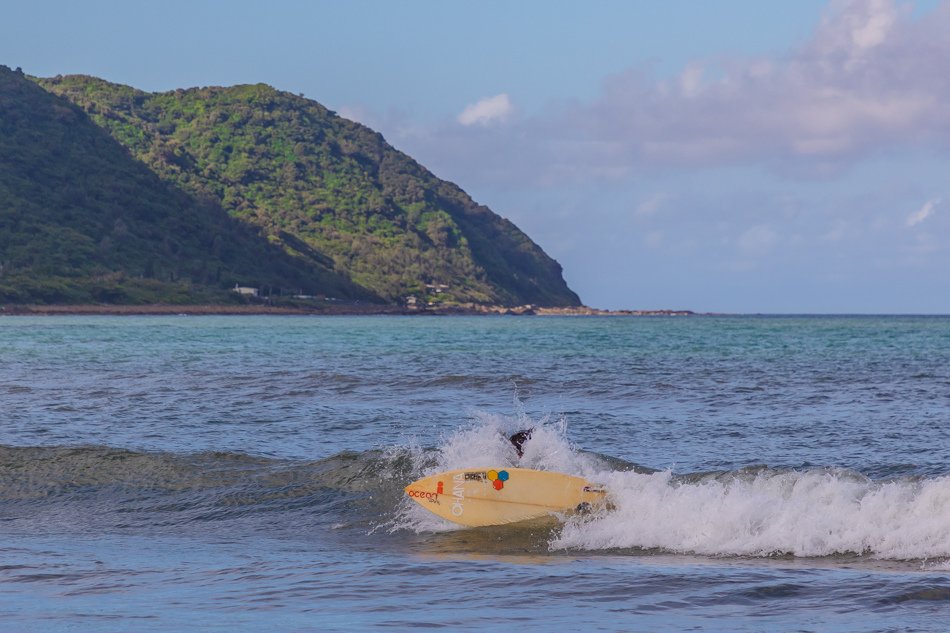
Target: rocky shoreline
[[324, 309]]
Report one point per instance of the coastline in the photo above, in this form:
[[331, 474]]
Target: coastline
[[341, 309]]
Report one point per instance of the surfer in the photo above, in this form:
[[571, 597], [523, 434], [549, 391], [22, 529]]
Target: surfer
[[518, 439]]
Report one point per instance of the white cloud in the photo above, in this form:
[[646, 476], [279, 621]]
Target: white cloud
[[923, 212], [870, 79], [486, 111], [836, 233], [651, 205], [870, 82], [757, 240], [866, 79], [855, 26], [691, 80], [873, 30]]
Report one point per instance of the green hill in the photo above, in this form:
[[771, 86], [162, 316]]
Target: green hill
[[82, 220], [205, 188]]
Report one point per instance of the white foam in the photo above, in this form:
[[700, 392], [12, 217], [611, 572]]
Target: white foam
[[819, 512], [811, 513], [484, 443]]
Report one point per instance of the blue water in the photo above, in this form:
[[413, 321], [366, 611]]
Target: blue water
[[205, 473]]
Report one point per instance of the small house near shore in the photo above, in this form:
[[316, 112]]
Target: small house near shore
[[245, 291]]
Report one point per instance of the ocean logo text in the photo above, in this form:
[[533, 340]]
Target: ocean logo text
[[431, 497]]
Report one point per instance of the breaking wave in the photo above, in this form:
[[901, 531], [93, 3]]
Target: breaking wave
[[766, 512], [759, 511], [753, 512]]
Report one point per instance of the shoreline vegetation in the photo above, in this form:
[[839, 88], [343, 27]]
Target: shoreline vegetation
[[341, 309]]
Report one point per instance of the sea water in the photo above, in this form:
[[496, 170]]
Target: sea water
[[246, 473]]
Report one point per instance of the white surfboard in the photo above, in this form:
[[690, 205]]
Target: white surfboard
[[496, 496]]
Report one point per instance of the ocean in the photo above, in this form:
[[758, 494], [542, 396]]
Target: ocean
[[245, 473]]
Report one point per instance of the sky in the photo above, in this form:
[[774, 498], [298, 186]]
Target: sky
[[728, 156]]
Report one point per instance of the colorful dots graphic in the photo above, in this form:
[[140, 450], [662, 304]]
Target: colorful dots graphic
[[498, 478]]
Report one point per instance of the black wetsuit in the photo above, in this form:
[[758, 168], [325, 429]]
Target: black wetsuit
[[518, 440]]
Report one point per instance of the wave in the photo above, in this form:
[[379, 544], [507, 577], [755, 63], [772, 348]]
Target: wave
[[97, 488], [767, 512], [758, 511], [752, 512]]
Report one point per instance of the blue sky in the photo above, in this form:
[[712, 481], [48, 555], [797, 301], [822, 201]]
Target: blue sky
[[729, 156]]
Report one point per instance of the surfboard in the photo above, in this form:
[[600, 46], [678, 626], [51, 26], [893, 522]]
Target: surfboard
[[496, 496]]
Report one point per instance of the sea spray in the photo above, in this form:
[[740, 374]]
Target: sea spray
[[756, 511], [812, 513], [484, 442]]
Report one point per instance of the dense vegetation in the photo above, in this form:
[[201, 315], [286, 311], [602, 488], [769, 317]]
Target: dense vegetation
[[82, 220], [237, 185]]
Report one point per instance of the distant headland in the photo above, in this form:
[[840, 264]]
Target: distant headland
[[125, 200]]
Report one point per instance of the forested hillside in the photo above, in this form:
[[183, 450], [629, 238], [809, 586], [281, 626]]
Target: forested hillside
[[114, 194], [82, 220]]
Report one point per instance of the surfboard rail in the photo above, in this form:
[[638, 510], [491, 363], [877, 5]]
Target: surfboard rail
[[494, 495]]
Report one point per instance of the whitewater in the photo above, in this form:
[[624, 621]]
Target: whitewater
[[755, 511]]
